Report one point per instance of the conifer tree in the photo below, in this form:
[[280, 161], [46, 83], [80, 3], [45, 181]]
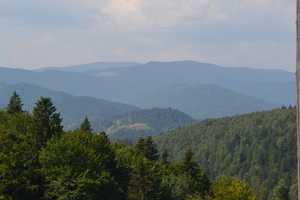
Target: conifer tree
[[164, 157], [199, 179], [151, 151], [140, 186], [140, 144], [283, 193], [147, 147], [15, 104], [46, 122], [190, 166], [86, 125]]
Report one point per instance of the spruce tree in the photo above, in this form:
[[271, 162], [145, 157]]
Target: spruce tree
[[147, 147], [140, 186], [283, 193], [199, 179], [151, 151], [15, 104], [190, 166], [140, 144], [46, 122], [164, 157], [86, 125]]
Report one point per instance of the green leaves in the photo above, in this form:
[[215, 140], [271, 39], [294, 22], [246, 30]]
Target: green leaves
[[230, 188], [77, 165]]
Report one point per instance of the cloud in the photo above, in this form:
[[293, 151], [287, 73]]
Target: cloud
[[41, 14], [140, 15], [43, 51], [266, 55], [252, 33]]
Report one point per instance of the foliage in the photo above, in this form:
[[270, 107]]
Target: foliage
[[230, 188], [140, 186], [86, 125], [258, 147], [38, 160], [78, 166], [21, 141], [46, 123], [15, 104], [283, 193], [147, 148]]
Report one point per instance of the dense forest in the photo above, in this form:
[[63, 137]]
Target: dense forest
[[39, 160], [259, 147], [143, 123]]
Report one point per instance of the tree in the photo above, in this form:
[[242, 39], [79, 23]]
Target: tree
[[190, 166], [140, 186], [151, 151], [199, 181], [147, 147], [19, 175], [283, 193], [164, 157], [86, 125], [46, 122], [175, 187], [229, 188], [15, 104], [79, 166]]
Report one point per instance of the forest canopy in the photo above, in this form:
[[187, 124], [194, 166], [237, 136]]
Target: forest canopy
[[39, 160]]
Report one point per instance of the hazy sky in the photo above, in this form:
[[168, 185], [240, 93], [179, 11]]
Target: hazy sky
[[236, 33]]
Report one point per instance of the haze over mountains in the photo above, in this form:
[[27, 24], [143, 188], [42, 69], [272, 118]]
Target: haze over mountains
[[73, 109], [199, 89]]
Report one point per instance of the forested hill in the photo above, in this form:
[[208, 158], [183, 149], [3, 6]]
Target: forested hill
[[259, 147], [142, 123], [169, 85], [72, 108]]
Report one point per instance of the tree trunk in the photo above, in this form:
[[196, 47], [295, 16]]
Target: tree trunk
[[298, 92]]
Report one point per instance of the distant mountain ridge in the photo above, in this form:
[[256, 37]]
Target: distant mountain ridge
[[89, 66], [215, 101], [143, 82], [73, 109]]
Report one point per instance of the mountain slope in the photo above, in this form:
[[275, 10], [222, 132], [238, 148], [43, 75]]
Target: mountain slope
[[142, 123], [134, 84], [204, 101], [276, 92], [259, 147], [73, 109]]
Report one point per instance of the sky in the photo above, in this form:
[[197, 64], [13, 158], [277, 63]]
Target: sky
[[258, 34]]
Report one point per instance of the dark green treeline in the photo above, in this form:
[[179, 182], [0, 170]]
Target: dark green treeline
[[259, 147], [38, 160]]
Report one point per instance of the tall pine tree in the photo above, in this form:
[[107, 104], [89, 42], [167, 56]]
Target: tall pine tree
[[46, 122], [86, 125], [15, 104], [140, 186], [147, 147], [198, 178]]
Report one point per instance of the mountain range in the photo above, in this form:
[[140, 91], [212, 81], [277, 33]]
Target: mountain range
[[201, 90], [72, 108]]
